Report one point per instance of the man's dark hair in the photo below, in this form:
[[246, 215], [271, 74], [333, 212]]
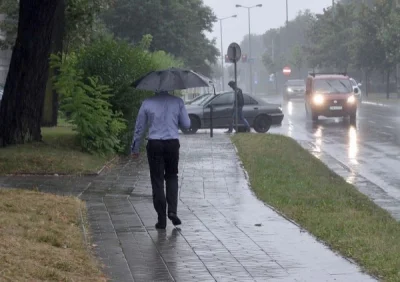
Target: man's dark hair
[[232, 83]]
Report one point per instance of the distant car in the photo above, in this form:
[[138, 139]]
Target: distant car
[[330, 95], [294, 88], [261, 115], [358, 87], [198, 99]]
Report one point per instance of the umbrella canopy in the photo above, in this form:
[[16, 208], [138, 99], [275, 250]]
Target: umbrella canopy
[[171, 79]]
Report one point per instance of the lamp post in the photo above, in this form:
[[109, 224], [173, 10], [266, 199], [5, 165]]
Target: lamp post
[[287, 13], [250, 58], [222, 50]]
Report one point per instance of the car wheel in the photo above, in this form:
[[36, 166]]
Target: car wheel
[[314, 117], [353, 118], [194, 125], [262, 124]]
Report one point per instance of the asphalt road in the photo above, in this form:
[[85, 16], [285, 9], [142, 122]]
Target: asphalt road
[[370, 149]]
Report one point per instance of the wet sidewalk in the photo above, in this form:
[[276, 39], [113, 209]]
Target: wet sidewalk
[[227, 234]]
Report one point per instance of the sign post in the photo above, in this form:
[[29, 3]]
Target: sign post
[[234, 55]]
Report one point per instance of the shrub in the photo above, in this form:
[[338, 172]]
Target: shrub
[[86, 80], [86, 105], [118, 64]]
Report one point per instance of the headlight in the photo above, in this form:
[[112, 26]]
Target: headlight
[[290, 90], [351, 100], [318, 99]]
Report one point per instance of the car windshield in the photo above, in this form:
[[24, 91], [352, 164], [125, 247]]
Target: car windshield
[[298, 82], [205, 101], [199, 100], [332, 86]]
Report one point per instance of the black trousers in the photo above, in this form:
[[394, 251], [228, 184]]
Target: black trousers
[[163, 157]]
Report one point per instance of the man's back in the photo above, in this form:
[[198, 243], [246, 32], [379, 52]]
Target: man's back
[[165, 113]]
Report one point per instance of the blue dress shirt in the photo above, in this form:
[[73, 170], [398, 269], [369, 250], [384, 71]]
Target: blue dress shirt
[[163, 114]]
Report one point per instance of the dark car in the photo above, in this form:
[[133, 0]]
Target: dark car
[[198, 99], [294, 88], [330, 95], [260, 114]]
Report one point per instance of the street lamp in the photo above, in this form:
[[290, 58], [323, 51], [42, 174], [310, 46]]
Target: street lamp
[[250, 62], [287, 13], [222, 50]]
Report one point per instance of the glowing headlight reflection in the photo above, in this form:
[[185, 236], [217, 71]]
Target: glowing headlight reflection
[[318, 99], [290, 108], [351, 100], [353, 145]]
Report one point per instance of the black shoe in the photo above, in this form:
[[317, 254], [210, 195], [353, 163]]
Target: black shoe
[[174, 218], [161, 225]]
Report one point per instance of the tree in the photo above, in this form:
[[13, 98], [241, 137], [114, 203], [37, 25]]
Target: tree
[[389, 35], [330, 38], [22, 104], [76, 21], [366, 48], [8, 26], [177, 26], [297, 58], [80, 20], [271, 66], [216, 71]]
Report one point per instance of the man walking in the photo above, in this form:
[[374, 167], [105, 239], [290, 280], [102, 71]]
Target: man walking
[[163, 114], [240, 103]]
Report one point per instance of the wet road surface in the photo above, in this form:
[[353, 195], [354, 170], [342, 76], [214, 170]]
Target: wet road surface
[[366, 155]]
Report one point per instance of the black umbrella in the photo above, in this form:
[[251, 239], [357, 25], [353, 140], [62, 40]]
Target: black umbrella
[[171, 79]]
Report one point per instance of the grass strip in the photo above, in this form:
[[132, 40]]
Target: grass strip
[[41, 239], [290, 179], [57, 154]]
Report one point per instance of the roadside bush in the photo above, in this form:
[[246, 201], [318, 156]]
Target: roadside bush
[[118, 64], [105, 122], [85, 103]]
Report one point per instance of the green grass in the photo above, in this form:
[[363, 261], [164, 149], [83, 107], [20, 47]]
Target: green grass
[[41, 239], [289, 178], [58, 153]]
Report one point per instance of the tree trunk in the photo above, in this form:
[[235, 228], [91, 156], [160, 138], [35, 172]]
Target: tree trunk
[[22, 104], [50, 108]]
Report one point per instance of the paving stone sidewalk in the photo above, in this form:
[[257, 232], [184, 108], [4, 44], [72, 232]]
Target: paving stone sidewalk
[[227, 234]]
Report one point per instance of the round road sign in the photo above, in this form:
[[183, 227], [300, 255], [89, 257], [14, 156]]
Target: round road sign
[[287, 71], [234, 52]]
